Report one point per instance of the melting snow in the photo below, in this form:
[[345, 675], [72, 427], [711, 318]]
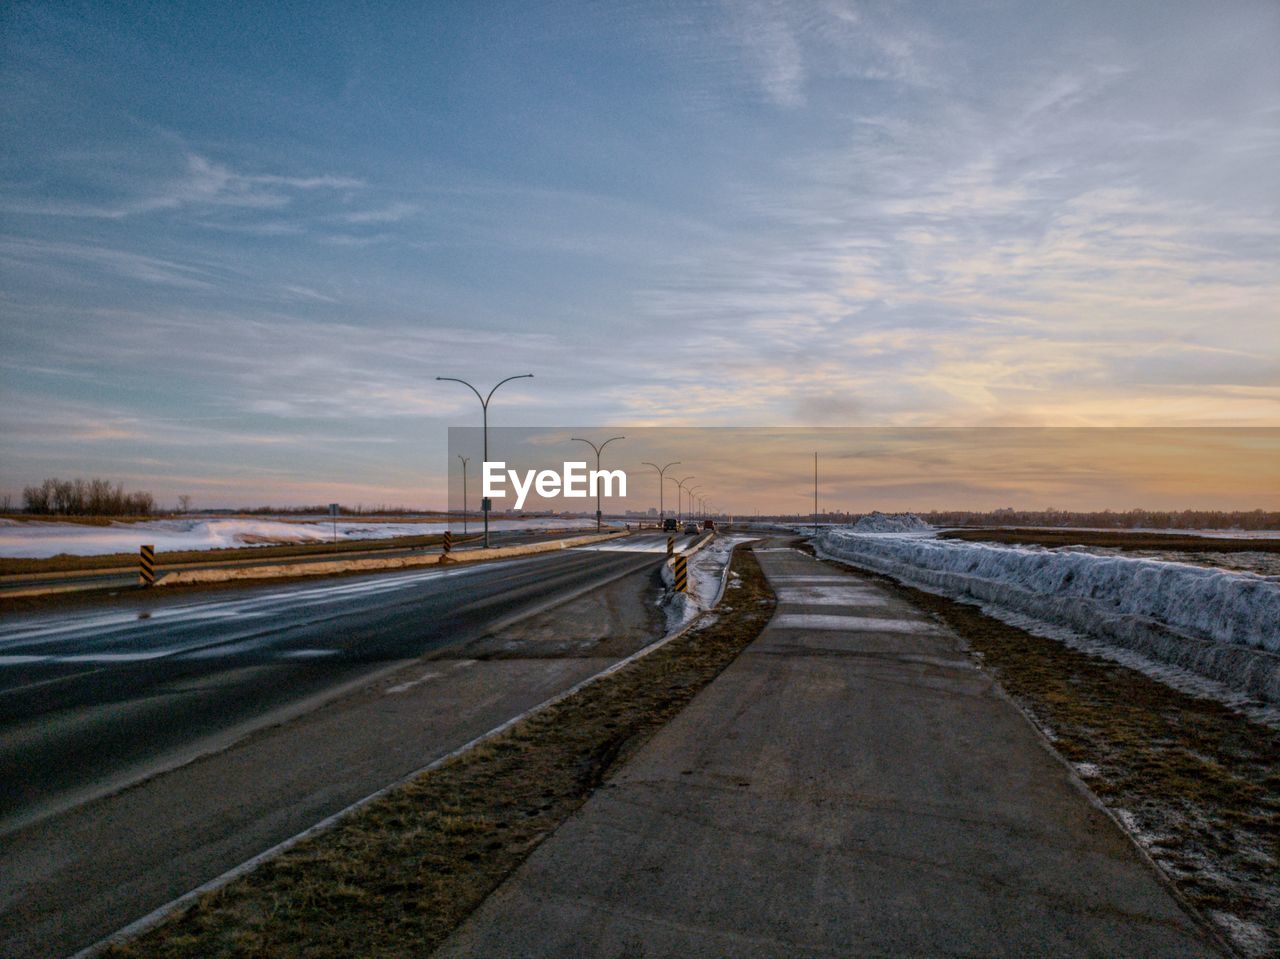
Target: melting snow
[[1220, 624]]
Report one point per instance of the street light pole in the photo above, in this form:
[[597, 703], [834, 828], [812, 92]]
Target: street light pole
[[485, 504], [661, 488], [598, 449], [465, 460], [689, 490], [815, 492], [680, 494]]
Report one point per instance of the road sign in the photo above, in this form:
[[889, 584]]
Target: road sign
[[448, 541], [147, 567], [671, 545], [681, 574]]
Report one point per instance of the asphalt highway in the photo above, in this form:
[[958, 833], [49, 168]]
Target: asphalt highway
[[94, 698]]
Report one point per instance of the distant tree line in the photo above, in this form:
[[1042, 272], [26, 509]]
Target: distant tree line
[[357, 510], [1110, 519], [92, 497]]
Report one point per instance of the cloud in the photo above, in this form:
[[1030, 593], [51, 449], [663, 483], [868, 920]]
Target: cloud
[[393, 213], [198, 184], [153, 270]]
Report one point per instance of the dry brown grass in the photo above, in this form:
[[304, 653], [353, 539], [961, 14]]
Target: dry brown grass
[[395, 878]]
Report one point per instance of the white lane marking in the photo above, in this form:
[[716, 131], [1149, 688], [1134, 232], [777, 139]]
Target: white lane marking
[[405, 687], [20, 660], [113, 657], [832, 596], [464, 663], [801, 580], [852, 624], [307, 653]]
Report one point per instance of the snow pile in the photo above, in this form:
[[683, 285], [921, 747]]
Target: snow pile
[[1220, 624], [707, 571], [37, 540], [878, 522]]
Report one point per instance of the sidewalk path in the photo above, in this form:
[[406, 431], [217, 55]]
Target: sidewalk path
[[852, 785]]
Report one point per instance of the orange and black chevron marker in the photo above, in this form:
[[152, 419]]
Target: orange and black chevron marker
[[671, 545], [682, 574], [147, 569], [448, 540]]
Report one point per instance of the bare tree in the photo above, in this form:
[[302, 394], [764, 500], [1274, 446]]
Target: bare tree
[[184, 503]]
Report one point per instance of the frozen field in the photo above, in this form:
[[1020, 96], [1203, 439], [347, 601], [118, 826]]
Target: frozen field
[[1220, 624], [36, 540]]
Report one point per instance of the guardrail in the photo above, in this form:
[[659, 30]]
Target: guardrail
[[292, 570]]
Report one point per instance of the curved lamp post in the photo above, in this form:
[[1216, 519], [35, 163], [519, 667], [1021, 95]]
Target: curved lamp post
[[485, 504], [680, 494], [598, 449], [690, 491], [661, 475]]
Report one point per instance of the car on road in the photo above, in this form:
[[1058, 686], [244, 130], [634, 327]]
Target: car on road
[[691, 529], [708, 524], [669, 524]]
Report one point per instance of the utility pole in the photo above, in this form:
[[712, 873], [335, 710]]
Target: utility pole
[[485, 503], [598, 449], [815, 492]]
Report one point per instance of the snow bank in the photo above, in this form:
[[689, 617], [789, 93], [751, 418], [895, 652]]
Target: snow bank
[[36, 540], [1222, 625], [707, 569], [878, 522]]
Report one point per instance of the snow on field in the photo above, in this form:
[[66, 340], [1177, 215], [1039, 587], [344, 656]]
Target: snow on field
[[1207, 533], [1264, 564], [36, 540], [1220, 624]]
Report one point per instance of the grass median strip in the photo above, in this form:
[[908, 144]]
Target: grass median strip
[[397, 876], [1197, 783]]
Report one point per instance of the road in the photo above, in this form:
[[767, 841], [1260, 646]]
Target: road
[[247, 715], [127, 577]]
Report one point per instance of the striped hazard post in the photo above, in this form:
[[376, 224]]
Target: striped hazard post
[[147, 566], [682, 574], [671, 545], [448, 541]]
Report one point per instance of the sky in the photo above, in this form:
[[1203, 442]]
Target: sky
[[238, 242]]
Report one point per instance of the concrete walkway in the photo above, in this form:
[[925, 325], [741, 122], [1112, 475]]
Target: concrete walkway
[[852, 785]]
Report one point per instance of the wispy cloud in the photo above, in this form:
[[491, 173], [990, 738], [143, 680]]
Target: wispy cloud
[[198, 183]]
